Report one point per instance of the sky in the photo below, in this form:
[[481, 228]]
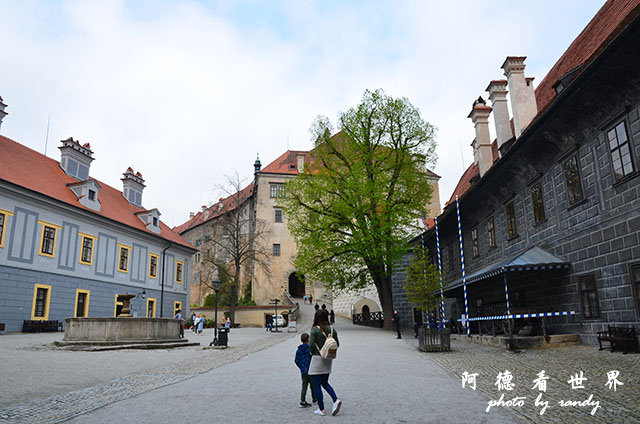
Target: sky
[[190, 92]]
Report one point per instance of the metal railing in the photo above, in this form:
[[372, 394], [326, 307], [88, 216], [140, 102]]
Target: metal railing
[[372, 319]]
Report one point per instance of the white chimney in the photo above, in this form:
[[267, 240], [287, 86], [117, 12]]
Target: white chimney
[[498, 95], [75, 159], [300, 164], [132, 186], [191, 215], [523, 100], [480, 117], [2, 112]]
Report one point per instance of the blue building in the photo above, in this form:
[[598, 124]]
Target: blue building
[[70, 244]]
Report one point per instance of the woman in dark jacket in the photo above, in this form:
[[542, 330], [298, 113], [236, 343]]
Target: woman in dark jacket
[[320, 368]]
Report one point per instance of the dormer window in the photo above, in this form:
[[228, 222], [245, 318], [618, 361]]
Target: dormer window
[[87, 193], [155, 221], [151, 219], [92, 195]]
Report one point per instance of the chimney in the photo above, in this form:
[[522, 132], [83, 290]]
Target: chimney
[[482, 144], [523, 100], [75, 159], [300, 164], [498, 95], [205, 211], [2, 112], [191, 215], [132, 186]]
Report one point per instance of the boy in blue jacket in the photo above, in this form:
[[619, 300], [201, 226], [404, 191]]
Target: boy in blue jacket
[[302, 360]]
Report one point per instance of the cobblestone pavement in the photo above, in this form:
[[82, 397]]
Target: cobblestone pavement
[[559, 364]]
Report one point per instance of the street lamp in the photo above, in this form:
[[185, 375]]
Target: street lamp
[[215, 284]]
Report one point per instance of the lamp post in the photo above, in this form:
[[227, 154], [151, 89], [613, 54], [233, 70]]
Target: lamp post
[[215, 284]]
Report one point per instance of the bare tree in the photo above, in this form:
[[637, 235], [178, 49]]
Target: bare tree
[[234, 246]]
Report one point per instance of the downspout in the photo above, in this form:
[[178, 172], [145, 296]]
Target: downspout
[[163, 277]]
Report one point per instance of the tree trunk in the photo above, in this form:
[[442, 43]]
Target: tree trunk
[[386, 301], [234, 295]]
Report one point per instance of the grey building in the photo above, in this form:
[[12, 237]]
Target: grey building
[[551, 208], [70, 244]]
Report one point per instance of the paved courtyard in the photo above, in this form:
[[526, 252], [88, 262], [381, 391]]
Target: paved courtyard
[[379, 378]]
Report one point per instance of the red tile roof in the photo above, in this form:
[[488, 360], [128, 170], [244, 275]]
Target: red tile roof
[[211, 212], [287, 163], [610, 20], [27, 168]]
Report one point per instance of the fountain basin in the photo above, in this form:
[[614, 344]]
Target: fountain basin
[[121, 330]]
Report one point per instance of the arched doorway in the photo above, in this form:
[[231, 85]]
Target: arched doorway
[[296, 285], [366, 313]]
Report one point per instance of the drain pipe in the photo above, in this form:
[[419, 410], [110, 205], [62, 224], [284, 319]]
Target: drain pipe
[[163, 277]]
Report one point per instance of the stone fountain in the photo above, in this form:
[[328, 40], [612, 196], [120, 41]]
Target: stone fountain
[[123, 330]]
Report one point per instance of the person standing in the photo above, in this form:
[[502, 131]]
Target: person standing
[[317, 306], [320, 368], [227, 323], [303, 360], [332, 317], [193, 322], [396, 322], [304, 299], [269, 323], [199, 324], [310, 299], [433, 322], [181, 318]]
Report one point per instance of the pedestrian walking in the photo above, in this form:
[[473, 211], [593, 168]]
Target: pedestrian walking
[[415, 329], [303, 360], [269, 323], [332, 317], [304, 300], [181, 318], [310, 299], [199, 324], [193, 322], [317, 306], [433, 321], [227, 323], [324, 307], [396, 322], [320, 368]]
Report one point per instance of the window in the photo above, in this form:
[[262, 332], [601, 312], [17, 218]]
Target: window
[[278, 212], [474, 243], [151, 308], [538, 203], [635, 277], [48, 239], [197, 258], [620, 148], [572, 179], [511, 221], [491, 229], [92, 195], [179, 266], [153, 265], [41, 301], [82, 303], [123, 263], [86, 255], [197, 242], [155, 221], [177, 306], [3, 224], [589, 296], [276, 250], [277, 190]]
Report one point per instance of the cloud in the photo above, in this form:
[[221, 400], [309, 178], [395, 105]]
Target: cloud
[[187, 92]]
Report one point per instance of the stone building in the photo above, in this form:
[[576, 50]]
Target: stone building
[[551, 208], [70, 244]]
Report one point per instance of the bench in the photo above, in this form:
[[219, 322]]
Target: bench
[[621, 338], [30, 326]]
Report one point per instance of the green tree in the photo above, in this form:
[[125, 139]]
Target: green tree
[[422, 285], [361, 195]]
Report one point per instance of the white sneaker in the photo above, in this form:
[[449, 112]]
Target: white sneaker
[[319, 412], [336, 407]]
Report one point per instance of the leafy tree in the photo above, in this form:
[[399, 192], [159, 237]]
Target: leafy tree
[[422, 285], [362, 192]]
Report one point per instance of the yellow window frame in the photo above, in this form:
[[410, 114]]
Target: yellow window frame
[[93, 247], [6, 214], [57, 228], [115, 305], [128, 248], [86, 303], [153, 313], [47, 302], [176, 272], [153, 255], [176, 305]]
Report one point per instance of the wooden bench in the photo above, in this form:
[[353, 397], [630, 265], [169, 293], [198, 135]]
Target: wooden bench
[[620, 338], [31, 326]]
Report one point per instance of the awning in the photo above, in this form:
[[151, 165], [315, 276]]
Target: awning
[[533, 259]]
